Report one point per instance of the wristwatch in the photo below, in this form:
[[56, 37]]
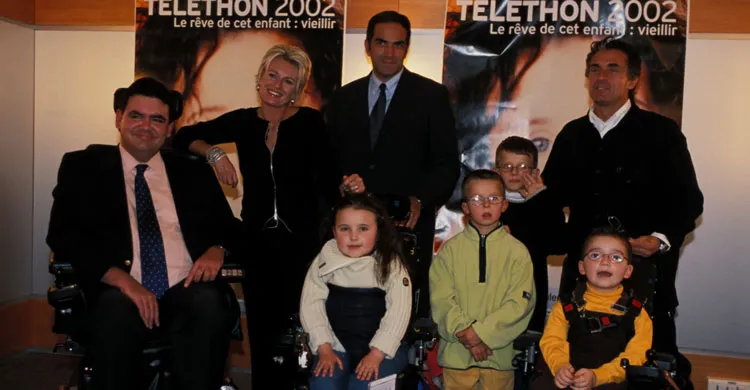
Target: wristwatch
[[663, 247]]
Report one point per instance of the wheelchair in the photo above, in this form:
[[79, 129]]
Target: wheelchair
[[66, 297], [660, 372]]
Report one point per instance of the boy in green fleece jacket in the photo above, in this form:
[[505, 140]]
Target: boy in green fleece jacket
[[481, 291]]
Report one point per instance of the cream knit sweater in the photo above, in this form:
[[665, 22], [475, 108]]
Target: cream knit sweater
[[331, 266]]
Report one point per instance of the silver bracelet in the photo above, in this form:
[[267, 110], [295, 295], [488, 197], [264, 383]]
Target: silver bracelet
[[214, 154]]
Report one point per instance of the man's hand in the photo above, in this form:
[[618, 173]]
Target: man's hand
[[564, 376], [226, 172], [468, 337], [645, 246], [144, 300], [352, 184], [327, 361], [369, 367], [481, 352], [415, 209], [584, 379], [532, 184], [207, 266]]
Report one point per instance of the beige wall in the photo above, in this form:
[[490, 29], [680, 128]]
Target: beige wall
[[76, 74], [16, 158], [714, 273]]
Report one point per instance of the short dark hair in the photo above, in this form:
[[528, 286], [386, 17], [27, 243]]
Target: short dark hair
[[150, 87], [611, 43], [480, 174], [608, 231], [388, 17], [518, 145]]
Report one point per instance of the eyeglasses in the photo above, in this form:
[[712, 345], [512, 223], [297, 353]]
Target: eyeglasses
[[478, 200], [511, 167], [598, 256]]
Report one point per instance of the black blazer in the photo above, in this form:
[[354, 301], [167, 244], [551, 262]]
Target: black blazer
[[417, 151], [90, 225]]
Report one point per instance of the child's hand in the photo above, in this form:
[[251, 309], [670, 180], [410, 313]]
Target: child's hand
[[327, 360], [532, 183], [370, 365], [481, 352], [584, 379], [468, 337], [564, 376]]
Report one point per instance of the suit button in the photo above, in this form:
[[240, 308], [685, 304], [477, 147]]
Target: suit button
[[127, 263], [371, 166]]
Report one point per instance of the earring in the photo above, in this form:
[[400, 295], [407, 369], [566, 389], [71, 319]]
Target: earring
[[291, 102], [257, 87]]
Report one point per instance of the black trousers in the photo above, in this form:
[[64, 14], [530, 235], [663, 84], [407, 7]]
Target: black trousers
[[276, 269], [420, 272], [195, 321]]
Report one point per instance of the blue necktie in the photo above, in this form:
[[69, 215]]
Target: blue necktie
[[153, 260], [376, 116]]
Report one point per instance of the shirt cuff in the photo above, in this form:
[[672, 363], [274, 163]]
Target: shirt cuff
[[663, 239]]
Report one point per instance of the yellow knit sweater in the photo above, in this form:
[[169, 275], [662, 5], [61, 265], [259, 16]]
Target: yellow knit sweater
[[556, 350]]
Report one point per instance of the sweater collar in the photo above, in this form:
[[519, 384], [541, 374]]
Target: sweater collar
[[332, 259], [473, 233], [598, 296]]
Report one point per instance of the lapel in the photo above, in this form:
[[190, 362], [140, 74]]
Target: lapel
[[398, 107], [109, 182]]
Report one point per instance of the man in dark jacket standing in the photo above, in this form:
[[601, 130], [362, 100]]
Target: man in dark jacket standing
[[629, 168], [396, 130]]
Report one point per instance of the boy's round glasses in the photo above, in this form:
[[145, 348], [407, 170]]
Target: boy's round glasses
[[478, 200], [599, 256], [510, 167]]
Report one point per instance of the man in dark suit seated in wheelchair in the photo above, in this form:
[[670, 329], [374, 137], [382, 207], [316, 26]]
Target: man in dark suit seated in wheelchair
[[146, 231]]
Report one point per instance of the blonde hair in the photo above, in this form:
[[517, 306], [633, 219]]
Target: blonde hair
[[293, 55]]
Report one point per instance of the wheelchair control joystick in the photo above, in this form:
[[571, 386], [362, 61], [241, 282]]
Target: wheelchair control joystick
[[658, 373]]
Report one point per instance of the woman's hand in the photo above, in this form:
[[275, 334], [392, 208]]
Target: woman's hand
[[327, 361], [226, 173], [370, 365]]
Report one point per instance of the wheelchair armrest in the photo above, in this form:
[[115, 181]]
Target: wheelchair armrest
[[64, 273], [232, 272], [527, 339], [61, 268]]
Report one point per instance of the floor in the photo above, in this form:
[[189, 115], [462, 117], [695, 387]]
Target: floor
[[42, 370]]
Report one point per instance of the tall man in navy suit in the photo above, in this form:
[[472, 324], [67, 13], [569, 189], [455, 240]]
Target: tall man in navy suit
[[145, 231], [396, 130]]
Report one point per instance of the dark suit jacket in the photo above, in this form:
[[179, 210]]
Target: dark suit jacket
[[90, 226], [416, 153]]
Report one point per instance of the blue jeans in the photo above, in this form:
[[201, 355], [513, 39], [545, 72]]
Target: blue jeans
[[346, 379]]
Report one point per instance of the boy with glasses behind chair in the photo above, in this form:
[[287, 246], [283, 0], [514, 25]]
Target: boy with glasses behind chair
[[532, 216]]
